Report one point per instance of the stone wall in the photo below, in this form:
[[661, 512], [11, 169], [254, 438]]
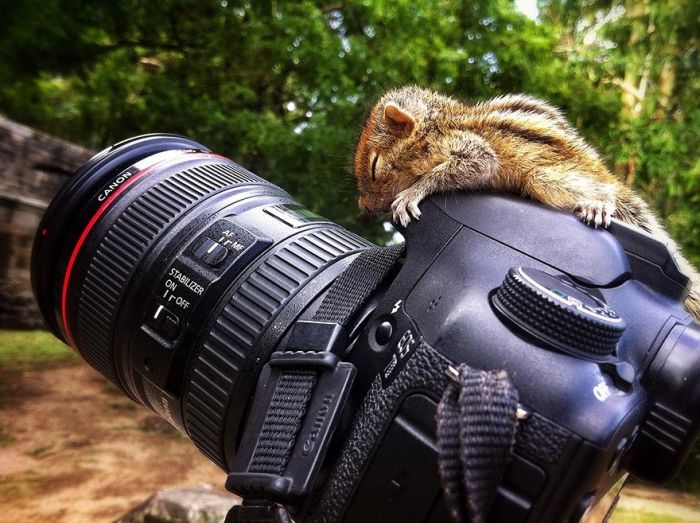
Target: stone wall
[[33, 166]]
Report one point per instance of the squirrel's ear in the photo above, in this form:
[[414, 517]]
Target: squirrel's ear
[[399, 122]]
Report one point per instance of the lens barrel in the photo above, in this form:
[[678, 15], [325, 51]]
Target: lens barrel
[[75, 204], [175, 273]]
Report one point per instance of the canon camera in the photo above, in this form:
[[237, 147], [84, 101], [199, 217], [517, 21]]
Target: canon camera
[[308, 363]]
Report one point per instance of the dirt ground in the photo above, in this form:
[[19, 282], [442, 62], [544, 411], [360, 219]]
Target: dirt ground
[[667, 504], [74, 449]]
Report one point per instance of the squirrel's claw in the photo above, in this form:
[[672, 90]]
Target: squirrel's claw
[[405, 206], [595, 213]]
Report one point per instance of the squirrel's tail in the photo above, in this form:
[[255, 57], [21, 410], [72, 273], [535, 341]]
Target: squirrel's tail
[[692, 301], [692, 304]]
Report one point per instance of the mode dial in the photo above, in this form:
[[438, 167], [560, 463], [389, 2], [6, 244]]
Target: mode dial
[[559, 313]]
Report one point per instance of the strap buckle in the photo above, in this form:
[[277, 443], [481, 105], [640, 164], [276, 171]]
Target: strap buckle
[[298, 401], [265, 513]]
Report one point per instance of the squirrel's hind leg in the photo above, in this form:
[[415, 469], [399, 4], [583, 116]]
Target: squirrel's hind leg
[[591, 200], [595, 213]]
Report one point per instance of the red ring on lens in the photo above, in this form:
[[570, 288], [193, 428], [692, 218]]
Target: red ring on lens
[[79, 244], [83, 236]]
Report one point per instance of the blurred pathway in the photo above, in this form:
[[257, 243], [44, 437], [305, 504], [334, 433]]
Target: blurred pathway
[[637, 501], [74, 449]]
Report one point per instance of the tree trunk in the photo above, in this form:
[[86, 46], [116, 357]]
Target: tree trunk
[[667, 77], [635, 80]]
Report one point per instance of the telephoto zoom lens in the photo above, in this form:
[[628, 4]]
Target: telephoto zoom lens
[[175, 273]]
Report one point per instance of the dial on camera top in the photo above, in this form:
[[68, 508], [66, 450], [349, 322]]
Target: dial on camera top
[[561, 314]]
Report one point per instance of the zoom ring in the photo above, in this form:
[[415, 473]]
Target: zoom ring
[[126, 242], [244, 319]]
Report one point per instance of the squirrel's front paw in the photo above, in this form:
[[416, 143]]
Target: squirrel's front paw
[[406, 205], [595, 212]]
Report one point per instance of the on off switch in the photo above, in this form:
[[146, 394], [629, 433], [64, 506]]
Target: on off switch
[[210, 252], [164, 322]]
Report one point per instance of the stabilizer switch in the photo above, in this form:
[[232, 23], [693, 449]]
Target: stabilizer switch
[[561, 314], [164, 321]]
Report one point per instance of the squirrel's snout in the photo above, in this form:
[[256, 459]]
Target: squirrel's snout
[[366, 215], [362, 204], [373, 204]]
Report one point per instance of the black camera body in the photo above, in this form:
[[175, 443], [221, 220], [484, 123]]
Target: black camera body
[[185, 279], [593, 412]]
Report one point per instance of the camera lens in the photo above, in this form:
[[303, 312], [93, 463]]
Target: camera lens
[[175, 273]]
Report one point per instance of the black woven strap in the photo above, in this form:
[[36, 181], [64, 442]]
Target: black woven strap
[[476, 424], [291, 397], [357, 283], [295, 385], [267, 513], [283, 420]]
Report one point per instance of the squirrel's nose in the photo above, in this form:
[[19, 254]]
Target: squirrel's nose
[[361, 204]]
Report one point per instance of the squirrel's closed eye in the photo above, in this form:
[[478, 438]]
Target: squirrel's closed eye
[[374, 167]]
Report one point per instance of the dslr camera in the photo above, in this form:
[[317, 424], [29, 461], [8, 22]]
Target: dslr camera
[[308, 363]]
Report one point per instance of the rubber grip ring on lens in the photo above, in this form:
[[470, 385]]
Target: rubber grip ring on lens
[[247, 315], [126, 242]]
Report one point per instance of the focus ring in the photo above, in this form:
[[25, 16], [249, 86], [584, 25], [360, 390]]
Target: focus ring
[[244, 319], [128, 239]]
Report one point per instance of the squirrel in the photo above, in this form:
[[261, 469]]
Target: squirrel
[[416, 142]]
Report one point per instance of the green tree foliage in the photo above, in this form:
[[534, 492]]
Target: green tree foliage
[[645, 54], [283, 87]]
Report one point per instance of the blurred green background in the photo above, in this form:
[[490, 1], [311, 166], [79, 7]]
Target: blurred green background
[[283, 87]]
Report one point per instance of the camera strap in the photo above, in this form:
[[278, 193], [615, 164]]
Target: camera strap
[[300, 394], [476, 427]]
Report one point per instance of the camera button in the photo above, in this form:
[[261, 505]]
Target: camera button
[[383, 333], [164, 322], [621, 372], [210, 252]]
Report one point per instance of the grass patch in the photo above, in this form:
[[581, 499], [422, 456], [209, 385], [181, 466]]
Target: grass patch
[[25, 485], [123, 405], [622, 515], [31, 350]]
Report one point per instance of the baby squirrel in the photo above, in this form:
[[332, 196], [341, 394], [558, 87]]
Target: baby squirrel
[[416, 142]]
